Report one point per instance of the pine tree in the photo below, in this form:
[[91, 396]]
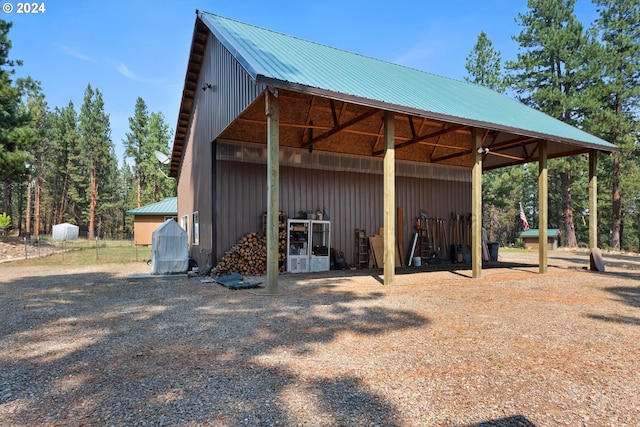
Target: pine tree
[[40, 148], [64, 140], [549, 74], [149, 133], [615, 115], [159, 186], [484, 65], [484, 68], [98, 149], [135, 144], [14, 158]]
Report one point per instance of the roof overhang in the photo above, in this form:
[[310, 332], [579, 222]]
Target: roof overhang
[[322, 119]]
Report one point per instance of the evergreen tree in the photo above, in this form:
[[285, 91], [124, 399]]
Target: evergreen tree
[[98, 159], [65, 142], [158, 185], [135, 144], [484, 65], [549, 74], [14, 157], [614, 116], [148, 134], [37, 132]]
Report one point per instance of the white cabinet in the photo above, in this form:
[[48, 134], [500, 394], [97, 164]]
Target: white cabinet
[[320, 245], [298, 245], [308, 245]]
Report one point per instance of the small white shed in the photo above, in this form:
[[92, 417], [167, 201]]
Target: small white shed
[[169, 249], [65, 231]]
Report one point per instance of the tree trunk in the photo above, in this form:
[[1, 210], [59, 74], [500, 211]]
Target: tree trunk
[[27, 220], [37, 198], [570, 240], [7, 199], [139, 189], [615, 204], [92, 206], [63, 197]]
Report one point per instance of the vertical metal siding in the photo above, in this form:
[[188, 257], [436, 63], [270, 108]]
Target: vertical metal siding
[[232, 91], [353, 200]]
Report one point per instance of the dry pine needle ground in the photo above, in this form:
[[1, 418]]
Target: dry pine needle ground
[[90, 347]]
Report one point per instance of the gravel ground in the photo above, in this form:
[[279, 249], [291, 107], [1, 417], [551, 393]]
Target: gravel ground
[[91, 346]]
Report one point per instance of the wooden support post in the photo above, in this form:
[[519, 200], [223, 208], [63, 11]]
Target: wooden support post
[[400, 235], [272, 110], [389, 165], [476, 205], [593, 205], [543, 207]]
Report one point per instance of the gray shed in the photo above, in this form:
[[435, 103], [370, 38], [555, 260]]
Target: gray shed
[[64, 232]]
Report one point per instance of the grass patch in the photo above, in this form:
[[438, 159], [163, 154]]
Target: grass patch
[[84, 252]]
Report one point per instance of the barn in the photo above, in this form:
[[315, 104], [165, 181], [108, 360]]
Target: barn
[[270, 124]]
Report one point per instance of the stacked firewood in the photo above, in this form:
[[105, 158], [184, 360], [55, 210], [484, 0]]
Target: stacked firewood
[[248, 256]]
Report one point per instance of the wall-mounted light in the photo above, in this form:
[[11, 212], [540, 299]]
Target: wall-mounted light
[[206, 86], [483, 150]]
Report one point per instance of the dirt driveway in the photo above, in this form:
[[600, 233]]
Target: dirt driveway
[[88, 346]]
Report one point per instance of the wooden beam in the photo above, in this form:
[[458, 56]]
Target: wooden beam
[[308, 121], [476, 204], [282, 125], [272, 111], [543, 206], [389, 164], [593, 199], [506, 156], [422, 138], [341, 127]]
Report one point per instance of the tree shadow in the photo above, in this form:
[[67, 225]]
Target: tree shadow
[[628, 295], [91, 348], [514, 421]]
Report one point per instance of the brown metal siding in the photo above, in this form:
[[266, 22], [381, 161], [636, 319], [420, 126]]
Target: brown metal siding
[[352, 200], [213, 110]]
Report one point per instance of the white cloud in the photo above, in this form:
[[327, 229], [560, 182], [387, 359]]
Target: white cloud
[[74, 53], [128, 73], [125, 71]]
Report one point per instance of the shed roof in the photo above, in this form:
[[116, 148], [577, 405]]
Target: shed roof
[[168, 206], [293, 63], [534, 232]]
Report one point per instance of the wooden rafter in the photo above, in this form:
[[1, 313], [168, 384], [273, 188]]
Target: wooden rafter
[[423, 138], [341, 127], [308, 121]]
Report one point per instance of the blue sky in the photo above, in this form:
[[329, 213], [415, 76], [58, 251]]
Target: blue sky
[[128, 49]]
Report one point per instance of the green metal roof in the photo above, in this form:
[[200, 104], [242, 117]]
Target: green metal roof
[[534, 232], [168, 206], [293, 63]]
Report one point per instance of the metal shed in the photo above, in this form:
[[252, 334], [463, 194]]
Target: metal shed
[[149, 217], [299, 109]]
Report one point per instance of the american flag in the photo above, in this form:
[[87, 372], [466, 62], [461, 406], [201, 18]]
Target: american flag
[[523, 218]]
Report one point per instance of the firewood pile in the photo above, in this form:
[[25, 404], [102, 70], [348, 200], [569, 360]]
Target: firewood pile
[[248, 256]]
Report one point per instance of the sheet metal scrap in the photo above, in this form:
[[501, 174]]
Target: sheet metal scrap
[[236, 281]]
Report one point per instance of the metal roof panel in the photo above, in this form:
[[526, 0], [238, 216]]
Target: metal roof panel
[[168, 206], [295, 62]]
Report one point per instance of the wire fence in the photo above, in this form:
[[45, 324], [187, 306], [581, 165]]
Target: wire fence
[[81, 250]]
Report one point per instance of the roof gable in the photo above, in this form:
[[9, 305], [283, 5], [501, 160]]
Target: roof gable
[[293, 63]]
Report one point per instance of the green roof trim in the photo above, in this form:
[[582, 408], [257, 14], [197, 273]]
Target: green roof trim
[[534, 232], [289, 62], [168, 206]]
